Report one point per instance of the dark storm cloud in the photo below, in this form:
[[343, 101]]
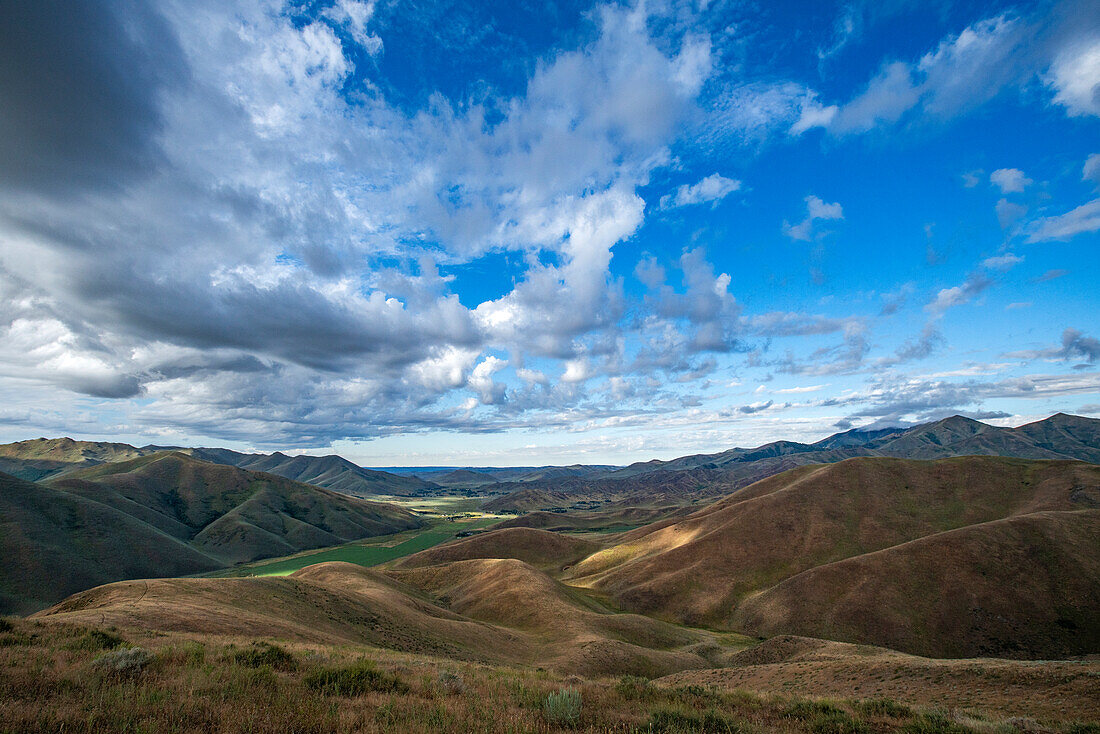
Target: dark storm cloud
[[79, 86]]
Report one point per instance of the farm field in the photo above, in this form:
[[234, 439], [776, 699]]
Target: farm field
[[372, 552]]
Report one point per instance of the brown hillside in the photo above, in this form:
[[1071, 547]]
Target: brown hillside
[[164, 514], [836, 670], [340, 602], [54, 544], [1024, 586], [702, 568], [229, 513], [539, 548]]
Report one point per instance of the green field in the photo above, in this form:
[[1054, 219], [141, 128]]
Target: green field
[[369, 552]]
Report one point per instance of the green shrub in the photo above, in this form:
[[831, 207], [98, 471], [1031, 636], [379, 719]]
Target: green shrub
[[706, 722], [633, 687], [94, 640], [125, 663], [806, 710], [264, 653], [935, 722], [1080, 727], [354, 680], [883, 707], [563, 707], [825, 718]]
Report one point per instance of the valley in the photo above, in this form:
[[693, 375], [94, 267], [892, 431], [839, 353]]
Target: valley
[[936, 592]]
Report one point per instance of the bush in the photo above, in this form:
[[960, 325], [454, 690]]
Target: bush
[[710, 722], [124, 663], [264, 653], [633, 687], [563, 707], [450, 684], [935, 722], [5, 625], [354, 680], [1079, 727], [94, 640], [825, 718]]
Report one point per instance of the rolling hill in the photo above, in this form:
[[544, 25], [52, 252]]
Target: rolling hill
[[924, 556], [45, 458], [164, 514], [494, 611]]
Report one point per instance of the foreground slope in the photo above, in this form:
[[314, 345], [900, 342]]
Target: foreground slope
[[482, 610], [164, 514], [726, 565]]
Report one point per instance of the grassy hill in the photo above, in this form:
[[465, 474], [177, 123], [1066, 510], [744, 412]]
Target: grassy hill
[[45, 458], [498, 611], [741, 562], [164, 514], [333, 472], [539, 548]]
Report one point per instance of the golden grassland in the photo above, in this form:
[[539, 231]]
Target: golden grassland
[[50, 681]]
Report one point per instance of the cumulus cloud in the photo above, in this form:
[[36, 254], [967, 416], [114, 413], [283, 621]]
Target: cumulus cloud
[[1009, 180], [1075, 78], [711, 189], [816, 210]]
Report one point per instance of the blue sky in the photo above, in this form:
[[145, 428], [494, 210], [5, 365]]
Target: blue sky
[[526, 233]]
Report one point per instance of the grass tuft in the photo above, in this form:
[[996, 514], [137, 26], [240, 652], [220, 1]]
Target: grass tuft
[[354, 680], [264, 653], [883, 707], [95, 640]]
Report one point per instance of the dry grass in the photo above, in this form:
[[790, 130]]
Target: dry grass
[[49, 684]]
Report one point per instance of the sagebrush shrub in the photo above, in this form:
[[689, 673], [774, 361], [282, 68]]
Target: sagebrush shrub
[[450, 684], [563, 707], [125, 663]]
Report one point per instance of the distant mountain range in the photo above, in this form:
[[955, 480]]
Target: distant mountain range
[[706, 475], [679, 481], [161, 514], [45, 458]]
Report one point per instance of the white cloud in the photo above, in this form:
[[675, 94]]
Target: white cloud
[[1091, 170], [958, 295], [1085, 218], [1002, 262], [711, 189], [1009, 180], [1009, 212], [816, 210], [1075, 78]]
